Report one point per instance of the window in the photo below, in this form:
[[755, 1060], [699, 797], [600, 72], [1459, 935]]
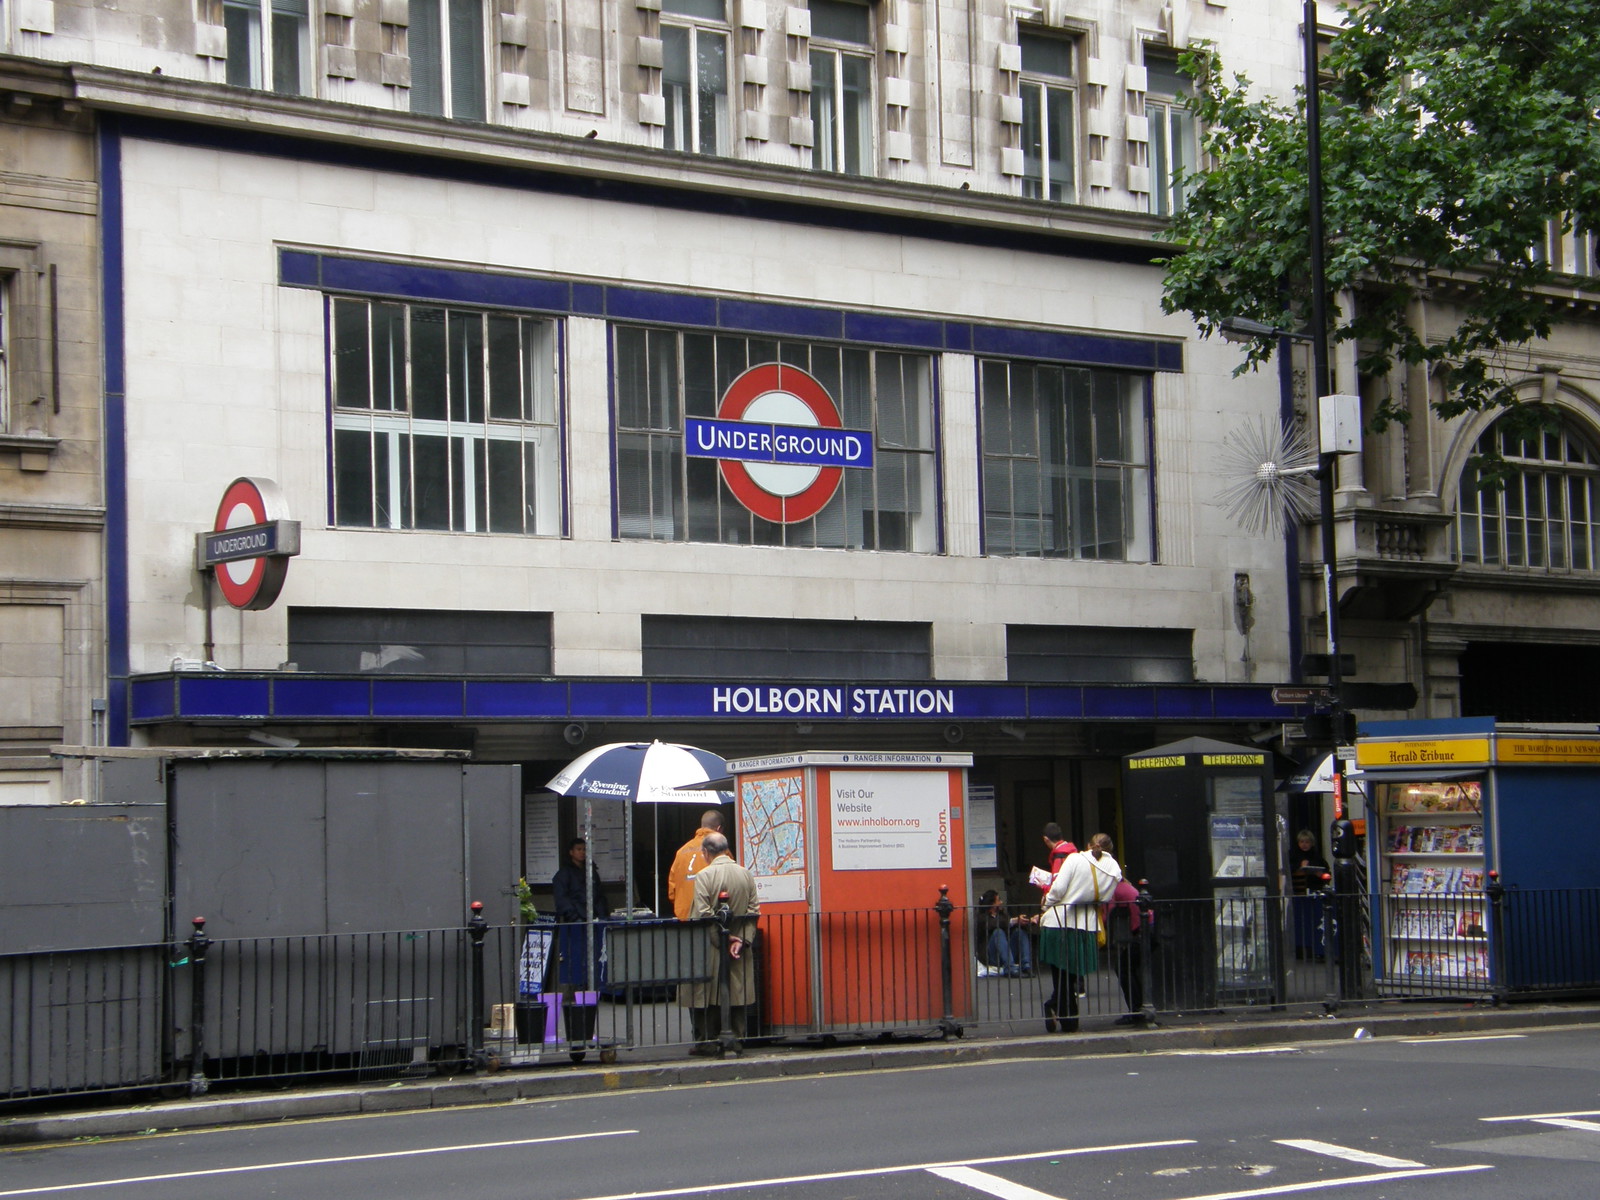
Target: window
[[841, 86], [281, 57], [1569, 249], [694, 75], [1173, 145], [1098, 654], [446, 44], [755, 648], [1544, 517], [1049, 105], [664, 375], [348, 641], [1065, 462], [444, 418]]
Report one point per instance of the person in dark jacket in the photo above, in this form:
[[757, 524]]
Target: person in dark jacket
[[572, 910]]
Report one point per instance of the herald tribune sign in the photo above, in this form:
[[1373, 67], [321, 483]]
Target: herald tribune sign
[[779, 443]]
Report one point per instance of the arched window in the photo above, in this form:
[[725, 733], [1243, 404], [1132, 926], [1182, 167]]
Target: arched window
[[1544, 517]]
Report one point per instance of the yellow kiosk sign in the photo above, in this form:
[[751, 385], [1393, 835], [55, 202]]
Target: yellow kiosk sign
[[1573, 751], [1433, 752]]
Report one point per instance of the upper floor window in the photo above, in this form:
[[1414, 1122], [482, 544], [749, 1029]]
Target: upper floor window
[[694, 74], [446, 44], [444, 418], [841, 87], [1049, 117], [1544, 516], [664, 492], [1066, 459], [1174, 148], [1569, 250], [269, 44]]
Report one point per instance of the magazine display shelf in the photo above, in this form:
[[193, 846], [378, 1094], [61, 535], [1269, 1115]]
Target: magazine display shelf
[[1432, 848]]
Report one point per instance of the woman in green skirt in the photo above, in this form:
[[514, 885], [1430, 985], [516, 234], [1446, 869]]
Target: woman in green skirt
[[1069, 927]]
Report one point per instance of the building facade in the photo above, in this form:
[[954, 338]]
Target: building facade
[[768, 376]]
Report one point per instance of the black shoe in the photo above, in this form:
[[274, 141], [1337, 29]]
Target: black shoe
[[704, 1050], [1069, 1024]]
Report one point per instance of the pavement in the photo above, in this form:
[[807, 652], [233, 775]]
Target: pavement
[[545, 1082]]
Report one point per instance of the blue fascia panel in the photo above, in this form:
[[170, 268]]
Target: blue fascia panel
[[785, 320], [1251, 704], [663, 308], [894, 331], [1174, 702], [296, 268], [1428, 727], [219, 696], [589, 699], [522, 700], [314, 698], [418, 698], [154, 699], [1119, 703]]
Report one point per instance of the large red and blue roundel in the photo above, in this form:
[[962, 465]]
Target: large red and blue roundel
[[779, 443]]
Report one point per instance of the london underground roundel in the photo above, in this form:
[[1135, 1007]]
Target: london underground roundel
[[248, 544], [779, 442]]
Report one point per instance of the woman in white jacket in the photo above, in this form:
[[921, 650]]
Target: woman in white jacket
[[1067, 928]]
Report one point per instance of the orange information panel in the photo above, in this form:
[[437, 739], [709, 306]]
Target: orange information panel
[[850, 851]]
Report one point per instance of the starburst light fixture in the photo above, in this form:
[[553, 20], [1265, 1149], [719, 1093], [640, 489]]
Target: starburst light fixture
[[1273, 469]]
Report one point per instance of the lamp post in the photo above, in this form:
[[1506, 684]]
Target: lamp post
[[1342, 831]]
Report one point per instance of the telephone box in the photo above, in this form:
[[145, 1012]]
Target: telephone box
[[849, 851]]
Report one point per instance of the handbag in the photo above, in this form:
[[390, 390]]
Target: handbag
[[1100, 930]]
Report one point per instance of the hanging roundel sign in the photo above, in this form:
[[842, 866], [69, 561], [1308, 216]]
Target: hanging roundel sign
[[250, 544], [779, 443]]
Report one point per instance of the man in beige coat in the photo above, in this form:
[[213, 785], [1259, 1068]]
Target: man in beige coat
[[722, 874]]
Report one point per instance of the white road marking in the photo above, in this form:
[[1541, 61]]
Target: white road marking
[[1344, 1152], [868, 1172], [309, 1162], [1229, 1051], [1583, 1112], [1466, 1037], [1318, 1184], [992, 1184], [1570, 1123]]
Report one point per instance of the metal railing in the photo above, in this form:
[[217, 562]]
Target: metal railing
[[233, 1011]]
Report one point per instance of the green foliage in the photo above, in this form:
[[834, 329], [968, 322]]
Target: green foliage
[[1453, 132], [527, 910]]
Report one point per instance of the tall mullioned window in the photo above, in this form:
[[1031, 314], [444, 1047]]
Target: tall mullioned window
[[1174, 147], [1066, 462], [1544, 515], [269, 44], [841, 87], [1049, 118], [664, 375], [446, 43], [444, 418], [694, 74]]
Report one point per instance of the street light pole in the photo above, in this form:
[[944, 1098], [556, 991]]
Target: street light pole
[[1342, 832]]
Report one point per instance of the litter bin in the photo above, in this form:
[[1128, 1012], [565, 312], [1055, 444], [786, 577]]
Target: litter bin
[[531, 1017]]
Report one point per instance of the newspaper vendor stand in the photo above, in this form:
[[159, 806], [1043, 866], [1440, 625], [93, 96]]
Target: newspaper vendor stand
[[1458, 806], [849, 851]]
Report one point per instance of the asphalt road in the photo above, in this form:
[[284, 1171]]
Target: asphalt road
[[1449, 1118]]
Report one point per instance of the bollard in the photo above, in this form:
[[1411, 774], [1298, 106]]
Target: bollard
[[477, 926], [198, 944], [1496, 892], [948, 1025], [1147, 944], [1330, 938]]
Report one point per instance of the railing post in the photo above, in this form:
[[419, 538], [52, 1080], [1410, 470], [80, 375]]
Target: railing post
[[1496, 892], [1147, 943], [477, 926], [947, 1023], [198, 944], [1329, 901]]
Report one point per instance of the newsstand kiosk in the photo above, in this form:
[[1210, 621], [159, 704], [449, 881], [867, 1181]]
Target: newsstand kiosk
[[1482, 855], [849, 851]]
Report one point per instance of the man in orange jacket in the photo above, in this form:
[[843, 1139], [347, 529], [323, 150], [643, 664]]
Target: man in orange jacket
[[688, 863]]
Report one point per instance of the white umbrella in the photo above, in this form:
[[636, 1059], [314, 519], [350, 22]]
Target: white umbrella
[[645, 772]]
